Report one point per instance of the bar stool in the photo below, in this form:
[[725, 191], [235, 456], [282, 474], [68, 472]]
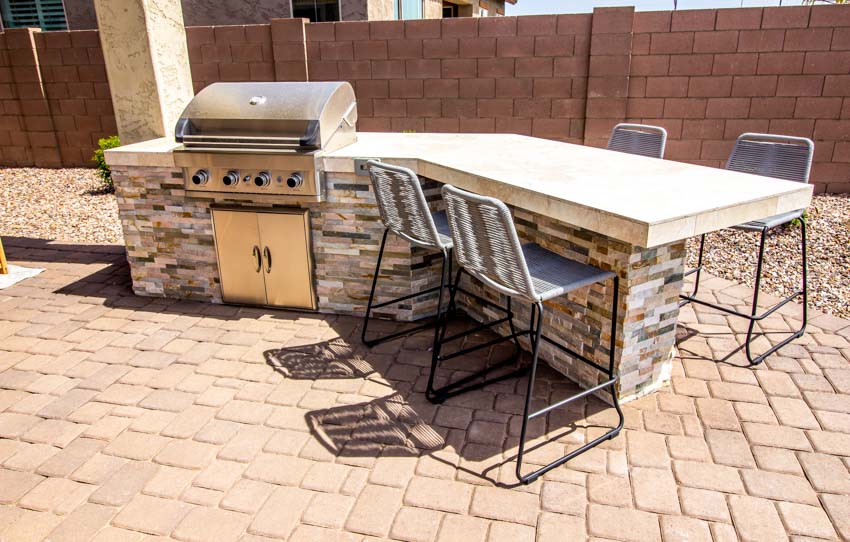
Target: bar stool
[[404, 211], [487, 248], [640, 139], [783, 157]]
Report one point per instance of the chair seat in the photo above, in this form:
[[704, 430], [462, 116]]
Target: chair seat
[[441, 221], [553, 275], [769, 222]]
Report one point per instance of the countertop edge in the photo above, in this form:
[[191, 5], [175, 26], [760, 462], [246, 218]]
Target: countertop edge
[[151, 153]]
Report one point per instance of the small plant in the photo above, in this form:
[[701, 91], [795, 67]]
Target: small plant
[[102, 167], [797, 222]]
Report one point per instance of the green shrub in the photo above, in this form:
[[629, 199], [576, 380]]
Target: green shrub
[[102, 167], [796, 223]]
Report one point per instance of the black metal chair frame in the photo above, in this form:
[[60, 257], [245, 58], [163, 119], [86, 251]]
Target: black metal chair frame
[[445, 270], [535, 335], [754, 315]]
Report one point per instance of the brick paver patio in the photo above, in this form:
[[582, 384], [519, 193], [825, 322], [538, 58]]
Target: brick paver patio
[[123, 417]]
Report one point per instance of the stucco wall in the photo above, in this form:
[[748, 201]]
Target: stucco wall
[[81, 14], [354, 10]]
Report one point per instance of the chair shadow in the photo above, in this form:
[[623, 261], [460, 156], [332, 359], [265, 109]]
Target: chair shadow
[[400, 424], [384, 426], [329, 360]]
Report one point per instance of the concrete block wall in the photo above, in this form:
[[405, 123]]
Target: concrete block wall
[[55, 98], [525, 75], [230, 53], [705, 75], [73, 76], [709, 75]]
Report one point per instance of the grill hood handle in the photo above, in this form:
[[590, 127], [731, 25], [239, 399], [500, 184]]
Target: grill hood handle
[[350, 115], [183, 128]]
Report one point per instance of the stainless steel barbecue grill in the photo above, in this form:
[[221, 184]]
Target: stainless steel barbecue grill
[[264, 138], [251, 142]]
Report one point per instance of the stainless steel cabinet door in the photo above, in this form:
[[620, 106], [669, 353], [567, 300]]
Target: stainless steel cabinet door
[[285, 239], [239, 257]]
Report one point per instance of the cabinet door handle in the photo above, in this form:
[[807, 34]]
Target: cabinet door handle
[[268, 254], [258, 259]]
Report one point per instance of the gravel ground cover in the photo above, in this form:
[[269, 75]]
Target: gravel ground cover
[[67, 205], [62, 204], [733, 254]]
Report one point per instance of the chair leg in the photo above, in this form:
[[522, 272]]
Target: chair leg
[[696, 270], [611, 384], [535, 328], [446, 255], [372, 291], [442, 319], [473, 381], [753, 315], [755, 360]]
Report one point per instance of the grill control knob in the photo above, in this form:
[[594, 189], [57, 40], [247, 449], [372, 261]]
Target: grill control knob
[[295, 180], [262, 179], [231, 179], [200, 177]]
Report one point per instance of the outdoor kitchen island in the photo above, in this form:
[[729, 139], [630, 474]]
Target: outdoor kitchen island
[[616, 211]]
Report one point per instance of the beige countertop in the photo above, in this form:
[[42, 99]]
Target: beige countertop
[[642, 201], [151, 153]]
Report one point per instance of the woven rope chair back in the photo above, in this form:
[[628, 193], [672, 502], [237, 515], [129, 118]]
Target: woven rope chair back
[[782, 157], [486, 242], [640, 139], [402, 204]]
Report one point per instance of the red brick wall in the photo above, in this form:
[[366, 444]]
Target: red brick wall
[[705, 75]]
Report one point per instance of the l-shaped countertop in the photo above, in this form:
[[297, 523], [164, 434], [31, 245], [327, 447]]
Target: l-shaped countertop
[[642, 201]]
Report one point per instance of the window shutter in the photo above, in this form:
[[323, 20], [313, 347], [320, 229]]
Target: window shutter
[[44, 14]]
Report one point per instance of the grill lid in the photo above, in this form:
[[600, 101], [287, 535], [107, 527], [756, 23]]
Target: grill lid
[[269, 117]]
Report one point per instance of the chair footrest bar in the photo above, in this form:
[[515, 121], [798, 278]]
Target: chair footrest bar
[[476, 329], [481, 299], [691, 299], [576, 355], [405, 298], [690, 272], [487, 344], [575, 397], [398, 334], [459, 387]]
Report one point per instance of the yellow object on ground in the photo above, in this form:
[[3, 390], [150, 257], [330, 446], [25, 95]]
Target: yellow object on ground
[[4, 267]]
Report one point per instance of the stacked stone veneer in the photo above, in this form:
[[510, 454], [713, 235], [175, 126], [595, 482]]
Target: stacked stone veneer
[[171, 250], [347, 233], [648, 308], [171, 246]]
